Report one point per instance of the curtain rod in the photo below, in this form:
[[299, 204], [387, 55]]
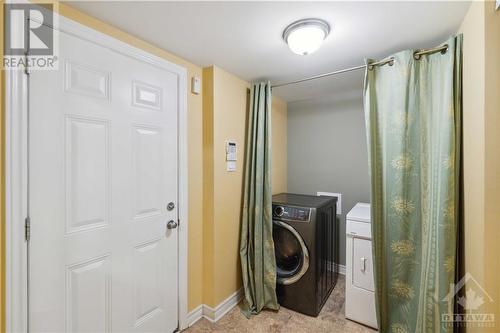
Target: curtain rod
[[319, 76], [416, 55]]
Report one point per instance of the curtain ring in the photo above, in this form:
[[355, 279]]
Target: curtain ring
[[416, 55]]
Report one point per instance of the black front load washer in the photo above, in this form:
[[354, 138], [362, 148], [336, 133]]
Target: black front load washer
[[306, 246]]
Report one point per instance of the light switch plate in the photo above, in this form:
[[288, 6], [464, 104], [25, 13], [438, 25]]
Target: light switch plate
[[337, 195], [497, 5], [196, 85], [231, 166]]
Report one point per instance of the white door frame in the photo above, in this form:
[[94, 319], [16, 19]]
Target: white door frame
[[16, 161]]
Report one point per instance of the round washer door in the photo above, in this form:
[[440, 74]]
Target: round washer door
[[292, 257]]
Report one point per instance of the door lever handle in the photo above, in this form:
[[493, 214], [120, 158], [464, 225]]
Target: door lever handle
[[172, 224]]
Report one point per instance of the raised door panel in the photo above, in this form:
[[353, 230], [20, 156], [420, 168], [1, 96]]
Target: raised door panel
[[148, 171], [88, 296], [87, 174], [148, 278], [146, 96], [86, 80]]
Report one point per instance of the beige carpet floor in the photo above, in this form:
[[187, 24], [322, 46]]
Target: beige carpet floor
[[331, 319]]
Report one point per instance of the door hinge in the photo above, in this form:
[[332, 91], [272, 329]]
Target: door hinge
[[27, 228]]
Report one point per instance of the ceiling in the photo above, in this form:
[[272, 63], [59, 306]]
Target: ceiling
[[244, 38]]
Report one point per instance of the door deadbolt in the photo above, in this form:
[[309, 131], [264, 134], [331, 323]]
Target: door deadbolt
[[170, 206], [171, 224]]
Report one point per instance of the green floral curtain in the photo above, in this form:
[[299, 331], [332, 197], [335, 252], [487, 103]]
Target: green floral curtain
[[258, 263], [413, 115]]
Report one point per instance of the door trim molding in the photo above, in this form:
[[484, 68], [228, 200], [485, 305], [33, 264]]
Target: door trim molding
[[16, 172], [16, 272]]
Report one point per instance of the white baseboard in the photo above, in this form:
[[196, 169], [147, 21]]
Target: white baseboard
[[216, 313], [340, 269], [336, 268], [195, 315]]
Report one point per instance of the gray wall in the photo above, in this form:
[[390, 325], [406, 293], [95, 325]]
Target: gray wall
[[327, 151]]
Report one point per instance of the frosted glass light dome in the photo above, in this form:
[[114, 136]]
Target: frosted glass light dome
[[306, 36]]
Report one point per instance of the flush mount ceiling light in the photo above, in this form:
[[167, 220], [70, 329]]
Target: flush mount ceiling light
[[305, 36]]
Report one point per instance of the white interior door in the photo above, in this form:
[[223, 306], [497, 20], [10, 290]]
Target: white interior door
[[103, 168]]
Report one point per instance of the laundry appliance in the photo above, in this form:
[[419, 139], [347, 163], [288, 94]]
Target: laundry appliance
[[360, 284], [305, 234]]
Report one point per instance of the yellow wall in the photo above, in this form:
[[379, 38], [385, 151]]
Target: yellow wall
[[492, 156], [229, 121], [279, 146], [473, 137], [208, 187], [481, 121], [225, 116]]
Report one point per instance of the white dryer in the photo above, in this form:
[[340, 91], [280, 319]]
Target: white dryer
[[360, 287]]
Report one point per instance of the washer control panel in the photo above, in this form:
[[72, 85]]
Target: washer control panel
[[291, 213]]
